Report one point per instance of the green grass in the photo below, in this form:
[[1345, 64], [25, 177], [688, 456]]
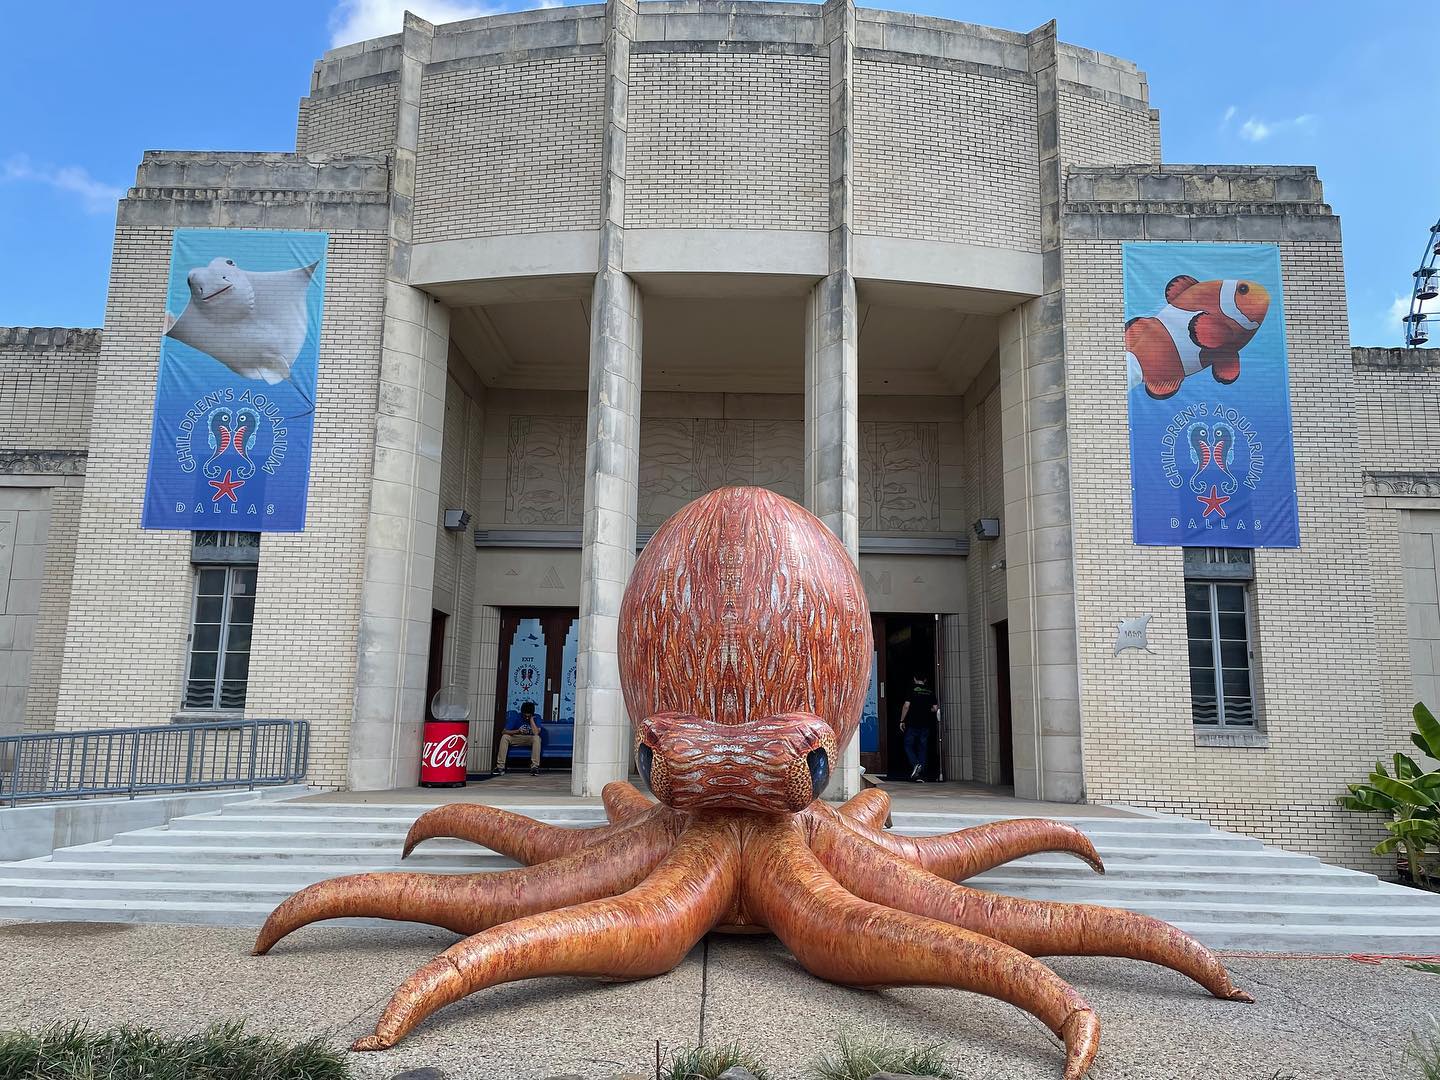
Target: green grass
[[222, 1052], [1433, 969], [708, 1062], [1423, 1051], [856, 1059]]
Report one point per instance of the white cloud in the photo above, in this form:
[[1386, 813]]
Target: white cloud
[[358, 20], [1258, 130], [1229, 115], [95, 196], [1254, 130]]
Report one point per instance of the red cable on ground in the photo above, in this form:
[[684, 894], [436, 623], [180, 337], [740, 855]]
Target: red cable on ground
[[1359, 958]]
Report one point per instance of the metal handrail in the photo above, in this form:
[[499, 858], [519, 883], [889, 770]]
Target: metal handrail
[[166, 757]]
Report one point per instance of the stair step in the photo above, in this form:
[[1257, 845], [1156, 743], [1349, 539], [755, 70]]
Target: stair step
[[1357, 937], [1121, 893]]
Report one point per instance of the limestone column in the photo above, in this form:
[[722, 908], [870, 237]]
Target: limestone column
[[1039, 548], [832, 423], [395, 601], [612, 449]]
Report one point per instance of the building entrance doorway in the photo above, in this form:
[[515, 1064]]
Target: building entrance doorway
[[536, 665], [1003, 735], [904, 648]]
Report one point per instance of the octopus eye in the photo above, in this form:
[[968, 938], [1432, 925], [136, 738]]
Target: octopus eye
[[645, 758], [1243, 288], [819, 763]]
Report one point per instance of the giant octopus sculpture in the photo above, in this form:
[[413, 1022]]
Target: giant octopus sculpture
[[744, 656]]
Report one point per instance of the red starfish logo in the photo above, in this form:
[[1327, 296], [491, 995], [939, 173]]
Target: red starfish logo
[[226, 488], [1214, 503]]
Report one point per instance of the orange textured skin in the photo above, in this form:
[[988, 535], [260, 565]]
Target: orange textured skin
[[745, 650]]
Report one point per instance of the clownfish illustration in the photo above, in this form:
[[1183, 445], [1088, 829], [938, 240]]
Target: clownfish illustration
[[1203, 324]]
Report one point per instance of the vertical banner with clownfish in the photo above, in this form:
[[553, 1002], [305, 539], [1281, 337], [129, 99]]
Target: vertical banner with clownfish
[[1212, 462], [236, 390]]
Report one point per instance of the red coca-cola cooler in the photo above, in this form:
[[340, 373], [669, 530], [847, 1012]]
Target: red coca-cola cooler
[[444, 750]]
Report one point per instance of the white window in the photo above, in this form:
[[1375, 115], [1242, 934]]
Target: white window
[[223, 614], [1222, 688]]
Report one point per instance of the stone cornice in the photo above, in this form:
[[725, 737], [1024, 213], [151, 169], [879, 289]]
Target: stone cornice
[[42, 462], [1417, 483]]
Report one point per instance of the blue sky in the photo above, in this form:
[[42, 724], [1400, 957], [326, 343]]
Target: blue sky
[[93, 83]]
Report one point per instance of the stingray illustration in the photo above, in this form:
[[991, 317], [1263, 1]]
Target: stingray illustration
[[252, 321]]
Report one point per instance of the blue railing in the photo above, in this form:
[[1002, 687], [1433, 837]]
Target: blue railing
[[139, 760]]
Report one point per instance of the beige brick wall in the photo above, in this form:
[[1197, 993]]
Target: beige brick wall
[[130, 602], [510, 148], [130, 608], [46, 396], [944, 154], [1094, 131], [728, 140], [1397, 419], [355, 121], [1315, 609], [307, 597]]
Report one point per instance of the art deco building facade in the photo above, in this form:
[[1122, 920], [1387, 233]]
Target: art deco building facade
[[587, 263]]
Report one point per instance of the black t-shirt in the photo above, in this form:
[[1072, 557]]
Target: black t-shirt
[[921, 715]]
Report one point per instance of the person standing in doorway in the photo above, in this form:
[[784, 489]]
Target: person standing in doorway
[[526, 730], [919, 717]]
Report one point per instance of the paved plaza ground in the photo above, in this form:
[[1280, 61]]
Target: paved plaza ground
[[1313, 1020]]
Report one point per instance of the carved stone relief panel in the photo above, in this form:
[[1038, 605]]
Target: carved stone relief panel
[[899, 476], [545, 473], [667, 468]]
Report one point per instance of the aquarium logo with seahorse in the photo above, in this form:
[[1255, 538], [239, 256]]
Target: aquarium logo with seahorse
[[236, 392], [1211, 457]]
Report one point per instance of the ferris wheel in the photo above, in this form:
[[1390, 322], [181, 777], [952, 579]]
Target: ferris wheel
[[1427, 287]]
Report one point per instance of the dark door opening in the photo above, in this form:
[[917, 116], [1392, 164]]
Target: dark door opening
[[536, 664], [1002, 703], [908, 650], [435, 672]]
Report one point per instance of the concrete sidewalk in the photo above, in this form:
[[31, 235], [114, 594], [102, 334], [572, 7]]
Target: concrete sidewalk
[[1313, 1020]]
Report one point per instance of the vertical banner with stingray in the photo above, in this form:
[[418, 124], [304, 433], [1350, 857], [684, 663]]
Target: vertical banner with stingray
[[235, 398], [1212, 462]]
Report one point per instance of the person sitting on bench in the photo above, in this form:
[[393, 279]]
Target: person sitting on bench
[[526, 729]]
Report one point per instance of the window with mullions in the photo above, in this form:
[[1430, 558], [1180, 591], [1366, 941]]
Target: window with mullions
[[1222, 689], [220, 627]]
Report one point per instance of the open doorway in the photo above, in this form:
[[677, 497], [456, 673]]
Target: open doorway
[[905, 648], [1003, 734], [536, 667]]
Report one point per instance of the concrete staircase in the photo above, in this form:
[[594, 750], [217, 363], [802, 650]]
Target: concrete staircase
[[232, 866]]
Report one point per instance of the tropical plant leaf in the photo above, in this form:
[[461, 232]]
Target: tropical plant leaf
[[1387, 846], [1405, 767], [1401, 792], [1366, 799], [1428, 728], [1415, 830], [1428, 782]]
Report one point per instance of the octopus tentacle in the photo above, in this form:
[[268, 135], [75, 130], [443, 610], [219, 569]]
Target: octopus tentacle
[[870, 808], [966, 852], [469, 903], [645, 931], [623, 801], [846, 939], [512, 835], [1035, 927]]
